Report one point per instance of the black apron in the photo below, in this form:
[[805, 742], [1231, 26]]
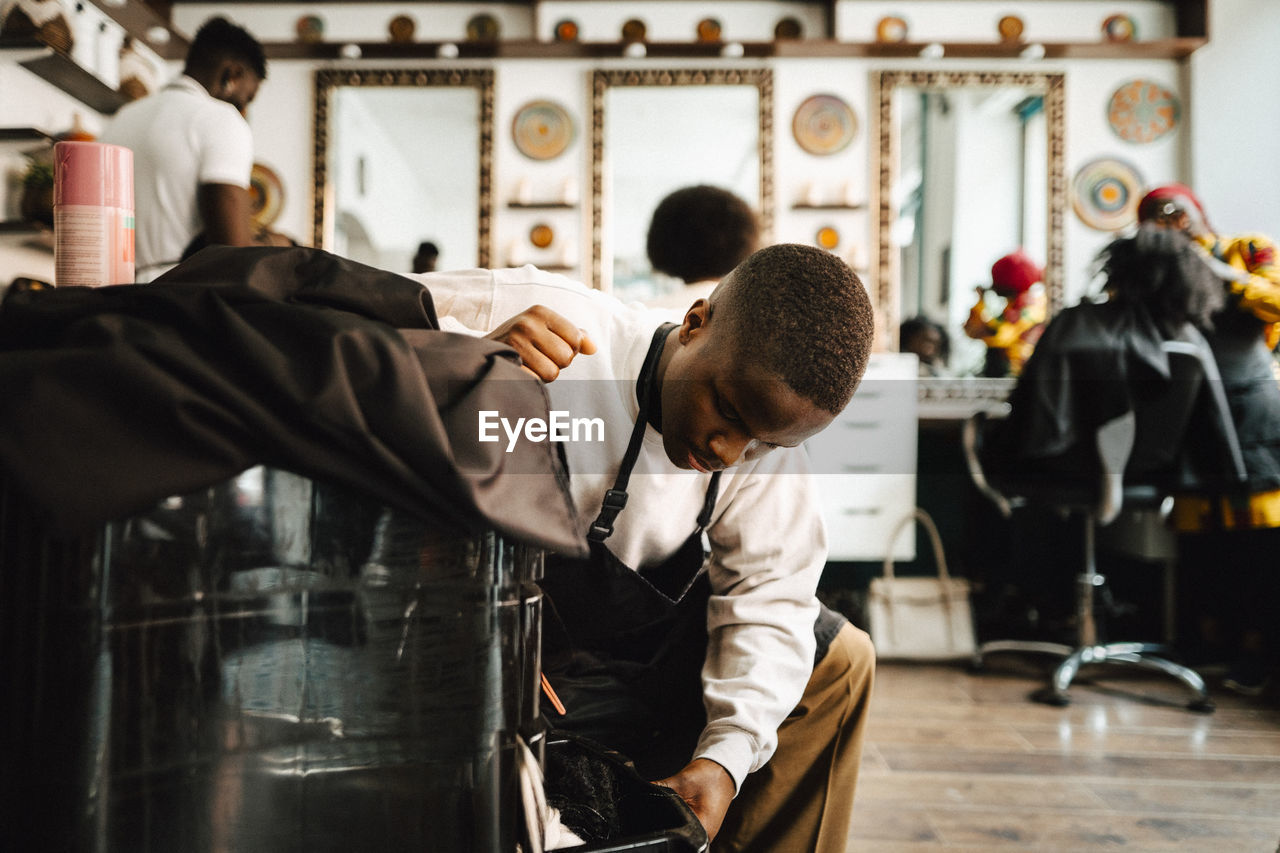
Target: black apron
[[624, 648]]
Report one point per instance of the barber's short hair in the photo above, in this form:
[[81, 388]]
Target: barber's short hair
[[802, 313], [1161, 269], [218, 39], [701, 232]]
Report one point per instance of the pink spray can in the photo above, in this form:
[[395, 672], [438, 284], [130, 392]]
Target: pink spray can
[[92, 214]]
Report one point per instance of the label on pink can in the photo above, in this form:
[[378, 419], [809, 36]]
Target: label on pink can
[[93, 224]]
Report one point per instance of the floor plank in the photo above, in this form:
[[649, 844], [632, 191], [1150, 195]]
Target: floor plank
[[956, 760]]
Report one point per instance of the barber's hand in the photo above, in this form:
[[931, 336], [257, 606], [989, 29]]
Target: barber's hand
[[707, 788], [1224, 270], [545, 340]]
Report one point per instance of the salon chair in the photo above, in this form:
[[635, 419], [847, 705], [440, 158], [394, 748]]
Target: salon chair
[[1178, 432]]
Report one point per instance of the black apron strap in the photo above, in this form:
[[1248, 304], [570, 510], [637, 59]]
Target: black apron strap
[[616, 498]]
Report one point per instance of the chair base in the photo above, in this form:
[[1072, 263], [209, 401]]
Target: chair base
[[1143, 655]]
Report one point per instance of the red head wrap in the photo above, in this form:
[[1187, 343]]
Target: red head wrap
[[1155, 203], [1014, 274]]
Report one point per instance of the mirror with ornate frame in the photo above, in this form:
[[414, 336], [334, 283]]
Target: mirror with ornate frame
[[971, 168], [403, 156], [656, 130]]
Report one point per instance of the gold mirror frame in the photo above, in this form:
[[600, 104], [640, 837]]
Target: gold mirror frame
[[326, 80], [1053, 88], [603, 80]]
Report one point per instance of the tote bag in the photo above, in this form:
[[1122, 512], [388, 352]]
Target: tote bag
[[920, 618]]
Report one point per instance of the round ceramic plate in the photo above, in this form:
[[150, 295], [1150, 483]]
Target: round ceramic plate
[[708, 30], [788, 28], [634, 30], [266, 195], [310, 28], [1143, 111], [1105, 194], [891, 29], [541, 235], [542, 130], [482, 27], [1010, 28], [401, 29], [567, 30], [1119, 28], [824, 124]]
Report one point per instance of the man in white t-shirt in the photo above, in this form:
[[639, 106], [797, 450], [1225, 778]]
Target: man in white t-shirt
[[720, 675], [193, 150]]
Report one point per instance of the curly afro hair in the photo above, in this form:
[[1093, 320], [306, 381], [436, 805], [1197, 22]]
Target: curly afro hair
[[700, 233], [1164, 271]]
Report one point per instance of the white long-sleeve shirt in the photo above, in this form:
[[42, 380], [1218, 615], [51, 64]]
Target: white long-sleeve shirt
[[768, 544]]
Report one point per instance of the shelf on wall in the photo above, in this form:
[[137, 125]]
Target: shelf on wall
[[541, 205], [63, 72], [144, 23], [828, 207], [21, 226], [1171, 48], [24, 140]]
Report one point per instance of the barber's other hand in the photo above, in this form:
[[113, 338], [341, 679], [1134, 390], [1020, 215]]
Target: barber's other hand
[[707, 788], [546, 341], [1224, 270]]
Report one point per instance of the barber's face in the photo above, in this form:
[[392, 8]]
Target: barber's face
[[719, 409], [238, 87], [1172, 216]]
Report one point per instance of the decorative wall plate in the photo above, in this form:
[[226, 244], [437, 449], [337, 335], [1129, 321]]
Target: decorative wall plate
[[566, 30], [1119, 28], [1010, 28], [541, 235], [634, 29], [891, 29], [788, 28], [824, 124], [401, 29], [482, 27], [1105, 193], [708, 30], [827, 237], [542, 130], [266, 195], [1143, 111], [310, 28]]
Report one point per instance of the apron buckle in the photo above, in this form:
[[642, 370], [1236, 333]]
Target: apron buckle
[[602, 527]]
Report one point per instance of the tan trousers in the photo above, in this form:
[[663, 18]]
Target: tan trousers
[[801, 801]]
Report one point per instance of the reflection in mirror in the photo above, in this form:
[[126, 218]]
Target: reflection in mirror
[[656, 131], [971, 168], [403, 156]]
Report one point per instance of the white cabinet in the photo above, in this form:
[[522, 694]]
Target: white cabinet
[[865, 463]]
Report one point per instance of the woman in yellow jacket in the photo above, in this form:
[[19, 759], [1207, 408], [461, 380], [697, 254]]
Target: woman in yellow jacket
[[1228, 546]]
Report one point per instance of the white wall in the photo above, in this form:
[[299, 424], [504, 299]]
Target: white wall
[[1235, 103]]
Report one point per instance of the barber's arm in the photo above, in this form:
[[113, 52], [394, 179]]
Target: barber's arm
[[760, 620], [224, 209], [1255, 275]]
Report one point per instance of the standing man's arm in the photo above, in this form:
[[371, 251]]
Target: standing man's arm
[[224, 208]]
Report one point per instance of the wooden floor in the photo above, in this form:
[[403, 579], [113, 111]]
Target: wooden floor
[[961, 761]]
